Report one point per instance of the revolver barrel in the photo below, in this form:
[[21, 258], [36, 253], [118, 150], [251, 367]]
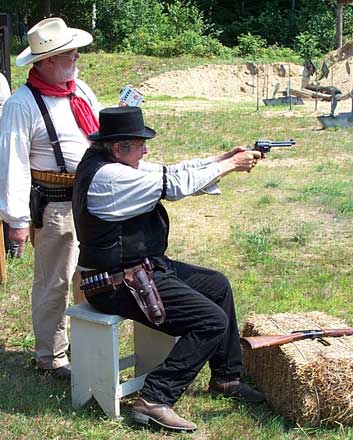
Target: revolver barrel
[[264, 145]]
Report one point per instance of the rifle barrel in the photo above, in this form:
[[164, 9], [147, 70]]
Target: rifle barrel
[[334, 332], [255, 342]]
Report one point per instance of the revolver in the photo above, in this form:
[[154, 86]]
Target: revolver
[[264, 145]]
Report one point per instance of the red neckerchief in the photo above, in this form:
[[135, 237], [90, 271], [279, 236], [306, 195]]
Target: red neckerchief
[[81, 110]]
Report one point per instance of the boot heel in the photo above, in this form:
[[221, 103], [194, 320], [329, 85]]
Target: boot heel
[[140, 418], [213, 393]]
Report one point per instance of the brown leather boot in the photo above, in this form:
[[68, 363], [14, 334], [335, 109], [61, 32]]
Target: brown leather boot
[[163, 415], [235, 389]]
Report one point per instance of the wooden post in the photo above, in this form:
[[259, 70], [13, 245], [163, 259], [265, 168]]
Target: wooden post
[[339, 24], [3, 277], [77, 293]]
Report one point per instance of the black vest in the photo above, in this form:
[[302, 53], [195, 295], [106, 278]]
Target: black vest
[[105, 245]]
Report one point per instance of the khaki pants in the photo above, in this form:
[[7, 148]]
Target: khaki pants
[[56, 252]]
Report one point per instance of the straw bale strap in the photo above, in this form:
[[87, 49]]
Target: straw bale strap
[[64, 179]]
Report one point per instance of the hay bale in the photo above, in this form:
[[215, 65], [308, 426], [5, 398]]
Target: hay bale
[[306, 382]]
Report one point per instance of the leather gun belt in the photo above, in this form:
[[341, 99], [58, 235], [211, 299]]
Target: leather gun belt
[[63, 194], [94, 282], [43, 177]]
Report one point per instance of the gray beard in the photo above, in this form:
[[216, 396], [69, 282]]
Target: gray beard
[[65, 75]]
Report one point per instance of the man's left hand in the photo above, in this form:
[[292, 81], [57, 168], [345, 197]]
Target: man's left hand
[[20, 236]]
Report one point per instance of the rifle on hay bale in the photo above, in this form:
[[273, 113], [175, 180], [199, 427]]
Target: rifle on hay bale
[[307, 382]]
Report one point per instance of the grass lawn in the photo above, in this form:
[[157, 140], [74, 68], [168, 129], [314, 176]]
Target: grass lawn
[[282, 234]]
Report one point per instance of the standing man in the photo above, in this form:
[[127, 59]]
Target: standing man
[[123, 230], [5, 91], [43, 135]]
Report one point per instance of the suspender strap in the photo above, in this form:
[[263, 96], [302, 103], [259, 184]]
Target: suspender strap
[[164, 187], [88, 98], [50, 129]]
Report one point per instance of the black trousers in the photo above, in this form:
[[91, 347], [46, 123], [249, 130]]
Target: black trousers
[[200, 309]]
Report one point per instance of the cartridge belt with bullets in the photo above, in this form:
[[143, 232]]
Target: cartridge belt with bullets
[[40, 196], [53, 194], [93, 283]]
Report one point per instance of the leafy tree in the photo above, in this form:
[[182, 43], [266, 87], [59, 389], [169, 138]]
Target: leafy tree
[[179, 26], [249, 44]]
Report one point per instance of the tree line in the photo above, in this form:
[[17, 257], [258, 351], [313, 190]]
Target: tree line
[[200, 27]]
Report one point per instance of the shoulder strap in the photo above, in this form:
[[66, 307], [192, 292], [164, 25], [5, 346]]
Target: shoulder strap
[[164, 187], [77, 85], [60, 161]]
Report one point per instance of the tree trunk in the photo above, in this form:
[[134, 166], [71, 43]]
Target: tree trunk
[[293, 5], [339, 25], [46, 8], [242, 7]]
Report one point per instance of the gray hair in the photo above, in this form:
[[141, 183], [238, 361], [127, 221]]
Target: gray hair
[[102, 147], [106, 147], [38, 64]]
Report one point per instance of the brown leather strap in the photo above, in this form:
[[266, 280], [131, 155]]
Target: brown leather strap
[[64, 179], [95, 282]]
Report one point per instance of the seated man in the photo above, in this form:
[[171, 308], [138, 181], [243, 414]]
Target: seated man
[[122, 228]]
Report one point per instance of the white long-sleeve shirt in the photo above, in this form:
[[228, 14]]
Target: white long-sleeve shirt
[[118, 192], [5, 91], [25, 145]]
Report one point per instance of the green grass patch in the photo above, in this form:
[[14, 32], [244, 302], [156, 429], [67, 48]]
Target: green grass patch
[[282, 234]]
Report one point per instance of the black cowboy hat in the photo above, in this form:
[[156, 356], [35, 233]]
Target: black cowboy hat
[[121, 123]]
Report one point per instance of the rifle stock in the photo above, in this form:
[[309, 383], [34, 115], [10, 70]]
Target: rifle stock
[[255, 342]]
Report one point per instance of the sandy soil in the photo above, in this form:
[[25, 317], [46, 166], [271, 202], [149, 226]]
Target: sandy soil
[[238, 83]]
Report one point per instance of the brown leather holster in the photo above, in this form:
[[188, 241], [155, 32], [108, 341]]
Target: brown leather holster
[[139, 281]]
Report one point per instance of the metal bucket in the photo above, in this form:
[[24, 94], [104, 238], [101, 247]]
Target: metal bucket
[[343, 120], [285, 100]]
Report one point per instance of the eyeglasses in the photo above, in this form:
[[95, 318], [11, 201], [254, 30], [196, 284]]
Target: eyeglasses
[[136, 143]]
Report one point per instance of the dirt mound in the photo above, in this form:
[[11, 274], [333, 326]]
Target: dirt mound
[[239, 82], [235, 82], [342, 54]]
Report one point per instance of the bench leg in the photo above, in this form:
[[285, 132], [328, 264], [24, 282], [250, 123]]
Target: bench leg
[[95, 365], [151, 347]]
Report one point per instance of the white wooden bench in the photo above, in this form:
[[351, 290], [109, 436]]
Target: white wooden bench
[[95, 362]]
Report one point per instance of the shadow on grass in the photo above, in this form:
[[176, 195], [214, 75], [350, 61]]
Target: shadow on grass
[[262, 413], [28, 391]]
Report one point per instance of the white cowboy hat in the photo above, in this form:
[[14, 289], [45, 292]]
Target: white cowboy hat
[[50, 37]]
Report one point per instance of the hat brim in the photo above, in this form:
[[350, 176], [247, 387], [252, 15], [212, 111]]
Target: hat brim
[[147, 133], [80, 38]]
